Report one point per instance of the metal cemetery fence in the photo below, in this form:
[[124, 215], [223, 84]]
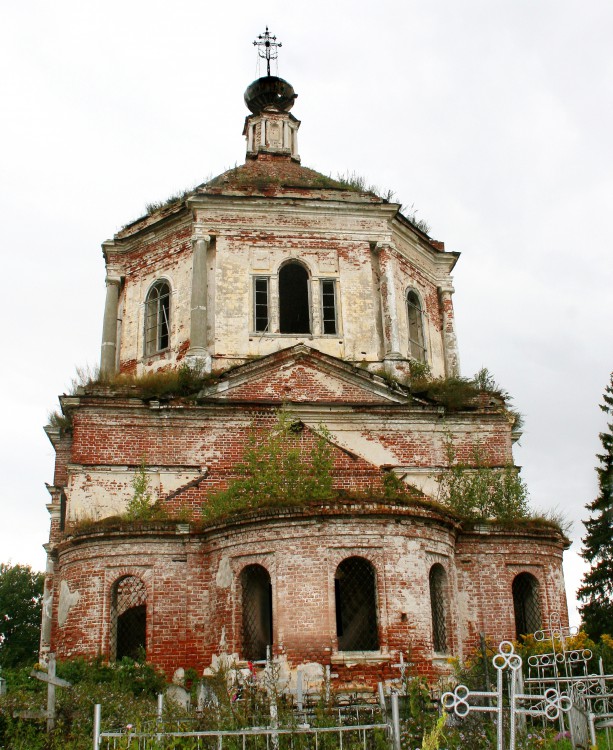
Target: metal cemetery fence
[[302, 737]]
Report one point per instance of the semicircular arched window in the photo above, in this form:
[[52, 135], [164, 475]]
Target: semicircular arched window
[[294, 308], [157, 318], [128, 619], [355, 593], [417, 347], [438, 606], [256, 601], [526, 604]]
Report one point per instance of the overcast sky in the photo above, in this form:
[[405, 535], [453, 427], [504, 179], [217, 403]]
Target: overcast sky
[[493, 119]]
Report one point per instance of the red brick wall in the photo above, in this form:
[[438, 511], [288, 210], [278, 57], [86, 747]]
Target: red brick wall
[[194, 595]]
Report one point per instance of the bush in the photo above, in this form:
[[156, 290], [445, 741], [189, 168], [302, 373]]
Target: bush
[[276, 471], [480, 492]]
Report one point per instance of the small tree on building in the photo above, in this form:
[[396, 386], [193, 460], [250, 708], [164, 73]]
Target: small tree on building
[[597, 589]]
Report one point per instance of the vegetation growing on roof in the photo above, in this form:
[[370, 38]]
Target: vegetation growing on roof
[[276, 470], [354, 181], [183, 381], [456, 393], [477, 491]]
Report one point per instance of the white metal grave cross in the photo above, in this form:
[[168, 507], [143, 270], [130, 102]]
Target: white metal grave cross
[[403, 666], [548, 704]]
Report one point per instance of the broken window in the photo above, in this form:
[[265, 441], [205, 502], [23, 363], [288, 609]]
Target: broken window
[[417, 348], [260, 304], [256, 590], [128, 618], [438, 607], [328, 307], [157, 318], [356, 605], [526, 604], [294, 313]]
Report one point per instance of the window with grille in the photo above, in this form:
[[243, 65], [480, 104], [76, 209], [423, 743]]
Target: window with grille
[[157, 318], [355, 590], [261, 318], [417, 348], [438, 606], [128, 618], [256, 599], [328, 307], [526, 604], [294, 312]]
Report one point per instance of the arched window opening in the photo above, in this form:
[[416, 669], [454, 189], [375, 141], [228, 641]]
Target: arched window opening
[[128, 618], [256, 590], [157, 318], [417, 348], [356, 605], [526, 604], [294, 313], [438, 606]]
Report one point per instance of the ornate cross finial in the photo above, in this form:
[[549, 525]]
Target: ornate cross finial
[[269, 44]]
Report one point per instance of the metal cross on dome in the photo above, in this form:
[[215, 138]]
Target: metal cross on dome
[[267, 47]]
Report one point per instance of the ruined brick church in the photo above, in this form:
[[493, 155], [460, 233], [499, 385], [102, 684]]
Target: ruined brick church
[[294, 291]]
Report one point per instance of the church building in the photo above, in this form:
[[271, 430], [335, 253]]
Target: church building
[[289, 293]]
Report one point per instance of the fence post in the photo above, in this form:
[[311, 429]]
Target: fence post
[[590, 720], [299, 700], [395, 721], [97, 712]]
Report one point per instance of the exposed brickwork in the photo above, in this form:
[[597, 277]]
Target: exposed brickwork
[[193, 595], [246, 225]]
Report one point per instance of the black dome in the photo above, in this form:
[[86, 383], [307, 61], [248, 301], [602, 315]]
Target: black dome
[[270, 91]]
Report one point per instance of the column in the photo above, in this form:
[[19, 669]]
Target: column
[[108, 352], [47, 609], [198, 319], [389, 305], [450, 342]]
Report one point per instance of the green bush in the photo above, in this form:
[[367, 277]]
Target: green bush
[[276, 470]]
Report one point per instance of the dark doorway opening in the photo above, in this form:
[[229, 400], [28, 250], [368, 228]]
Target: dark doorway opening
[[256, 590], [526, 604], [129, 619], [356, 605], [294, 314]]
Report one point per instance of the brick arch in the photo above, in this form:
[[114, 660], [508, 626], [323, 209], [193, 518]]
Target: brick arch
[[128, 617]]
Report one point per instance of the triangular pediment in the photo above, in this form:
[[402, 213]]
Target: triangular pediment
[[301, 374]]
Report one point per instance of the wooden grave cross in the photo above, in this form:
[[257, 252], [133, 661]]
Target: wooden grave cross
[[53, 682]]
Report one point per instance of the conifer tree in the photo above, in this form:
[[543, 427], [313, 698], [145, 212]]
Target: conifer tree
[[597, 589]]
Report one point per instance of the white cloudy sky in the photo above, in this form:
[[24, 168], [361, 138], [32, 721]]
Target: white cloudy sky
[[495, 119]]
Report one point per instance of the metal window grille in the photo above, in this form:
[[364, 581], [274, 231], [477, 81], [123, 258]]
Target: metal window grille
[[294, 311], [417, 348], [526, 604], [260, 303], [356, 605], [438, 608], [256, 592], [328, 306], [157, 318], [128, 618]]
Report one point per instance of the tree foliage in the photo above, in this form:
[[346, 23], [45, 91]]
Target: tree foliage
[[21, 594], [477, 491], [597, 589], [278, 469], [141, 506]]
